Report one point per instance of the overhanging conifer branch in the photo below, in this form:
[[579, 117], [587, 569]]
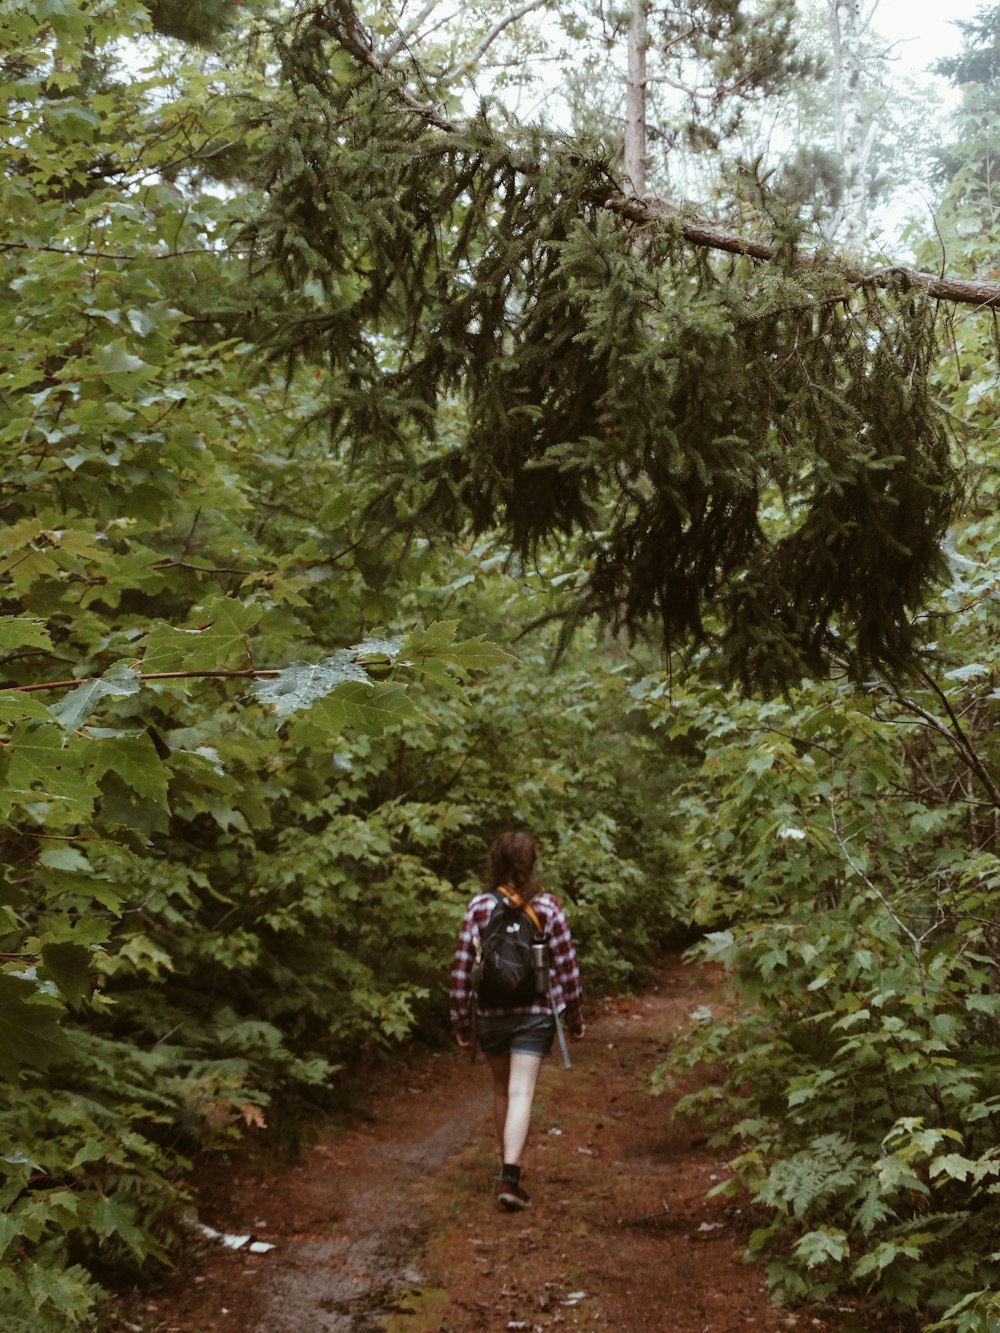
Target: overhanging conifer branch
[[616, 388], [338, 17]]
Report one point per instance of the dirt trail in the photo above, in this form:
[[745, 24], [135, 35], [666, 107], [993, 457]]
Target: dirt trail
[[392, 1227]]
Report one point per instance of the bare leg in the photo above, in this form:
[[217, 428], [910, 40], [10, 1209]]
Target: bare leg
[[514, 1079], [520, 1096], [500, 1069]]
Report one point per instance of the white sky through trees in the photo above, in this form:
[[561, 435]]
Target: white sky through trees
[[924, 29]]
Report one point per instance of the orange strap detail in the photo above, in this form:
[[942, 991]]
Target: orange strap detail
[[518, 901]]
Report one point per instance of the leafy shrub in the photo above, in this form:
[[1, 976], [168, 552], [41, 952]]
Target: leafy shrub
[[861, 1084]]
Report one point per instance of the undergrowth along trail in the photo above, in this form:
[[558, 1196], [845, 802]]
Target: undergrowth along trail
[[391, 1226]]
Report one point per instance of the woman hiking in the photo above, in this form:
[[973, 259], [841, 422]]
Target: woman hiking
[[515, 1037]]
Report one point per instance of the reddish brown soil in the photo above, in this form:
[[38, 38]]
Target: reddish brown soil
[[393, 1226]]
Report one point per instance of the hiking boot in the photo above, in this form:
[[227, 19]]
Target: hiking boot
[[511, 1197]]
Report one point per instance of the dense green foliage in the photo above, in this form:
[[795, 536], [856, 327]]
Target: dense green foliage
[[239, 822], [322, 423], [845, 864]]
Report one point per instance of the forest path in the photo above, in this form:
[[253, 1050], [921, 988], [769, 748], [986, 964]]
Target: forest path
[[392, 1226]]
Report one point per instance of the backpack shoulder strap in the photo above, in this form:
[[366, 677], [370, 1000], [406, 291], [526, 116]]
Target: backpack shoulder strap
[[517, 901]]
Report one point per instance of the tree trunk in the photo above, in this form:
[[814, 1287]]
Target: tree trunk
[[852, 138], [635, 99]]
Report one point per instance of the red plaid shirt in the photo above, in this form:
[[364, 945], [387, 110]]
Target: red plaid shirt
[[567, 991]]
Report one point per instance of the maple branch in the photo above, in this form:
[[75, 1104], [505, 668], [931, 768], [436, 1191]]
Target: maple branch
[[201, 569], [107, 254], [248, 672]]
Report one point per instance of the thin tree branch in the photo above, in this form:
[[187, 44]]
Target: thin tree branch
[[246, 673], [201, 569], [497, 29], [405, 36], [916, 941], [343, 24], [108, 254], [975, 762], [954, 734]]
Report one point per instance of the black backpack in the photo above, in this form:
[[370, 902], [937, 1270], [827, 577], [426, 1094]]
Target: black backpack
[[507, 976]]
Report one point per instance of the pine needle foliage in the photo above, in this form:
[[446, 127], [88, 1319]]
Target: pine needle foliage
[[749, 458], [198, 21]]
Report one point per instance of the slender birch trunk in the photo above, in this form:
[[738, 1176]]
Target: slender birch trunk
[[635, 99], [853, 139]]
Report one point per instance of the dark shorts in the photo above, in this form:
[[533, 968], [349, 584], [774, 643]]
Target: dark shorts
[[529, 1034]]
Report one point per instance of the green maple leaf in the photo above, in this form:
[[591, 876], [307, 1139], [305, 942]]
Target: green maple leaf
[[304, 683], [431, 641], [15, 707], [81, 702], [135, 761], [10, 1227], [69, 966], [29, 1030], [369, 707], [478, 654], [23, 632], [118, 365], [88, 886], [436, 643], [108, 1217], [167, 648], [67, 1290], [437, 672], [42, 766], [433, 652]]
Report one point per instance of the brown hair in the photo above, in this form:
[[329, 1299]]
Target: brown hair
[[512, 861]]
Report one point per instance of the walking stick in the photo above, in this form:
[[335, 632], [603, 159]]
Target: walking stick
[[559, 1030]]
